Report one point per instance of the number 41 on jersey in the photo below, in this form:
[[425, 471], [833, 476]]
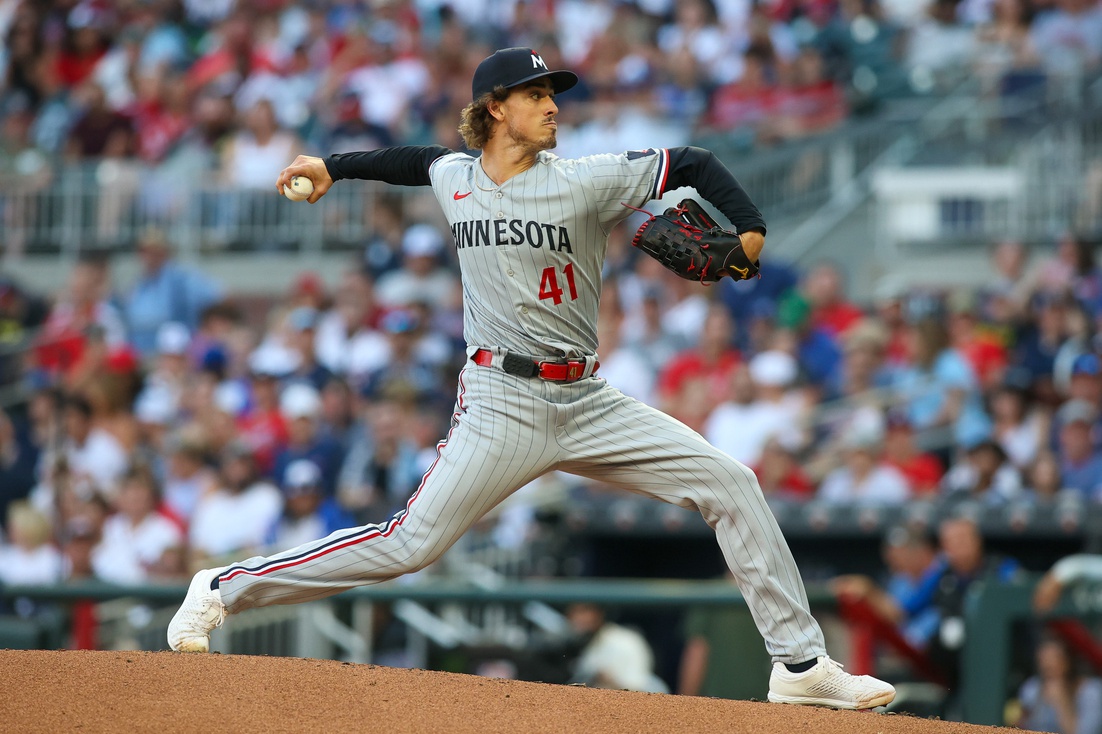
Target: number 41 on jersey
[[549, 284]]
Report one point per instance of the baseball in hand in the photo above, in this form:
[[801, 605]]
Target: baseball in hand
[[299, 189]]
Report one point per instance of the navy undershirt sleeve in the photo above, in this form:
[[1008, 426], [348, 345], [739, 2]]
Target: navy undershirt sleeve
[[406, 165], [699, 168]]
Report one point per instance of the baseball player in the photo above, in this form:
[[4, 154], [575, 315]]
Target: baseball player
[[531, 231]]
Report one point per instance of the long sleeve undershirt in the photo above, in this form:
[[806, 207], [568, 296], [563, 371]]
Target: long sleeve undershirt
[[688, 166]]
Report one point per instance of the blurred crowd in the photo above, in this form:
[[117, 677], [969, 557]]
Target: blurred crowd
[[242, 84], [164, 422]]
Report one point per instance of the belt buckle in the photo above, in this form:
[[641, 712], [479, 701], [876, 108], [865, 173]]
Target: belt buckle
[[567, 370], [551, 370]]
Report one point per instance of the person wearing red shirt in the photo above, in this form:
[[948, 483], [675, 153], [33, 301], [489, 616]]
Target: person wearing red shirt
[[713, 361], [781, 475], [922, 471], [830, 310]]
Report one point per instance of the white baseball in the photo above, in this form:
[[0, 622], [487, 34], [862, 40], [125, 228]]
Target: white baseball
[[299, 189]]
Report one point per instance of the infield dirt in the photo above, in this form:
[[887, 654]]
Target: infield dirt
[[66, 691]]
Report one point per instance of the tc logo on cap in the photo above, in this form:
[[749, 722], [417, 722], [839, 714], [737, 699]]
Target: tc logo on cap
[[512, 66]]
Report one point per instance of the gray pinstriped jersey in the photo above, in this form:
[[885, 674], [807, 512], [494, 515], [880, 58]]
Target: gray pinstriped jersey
[[532, 249]]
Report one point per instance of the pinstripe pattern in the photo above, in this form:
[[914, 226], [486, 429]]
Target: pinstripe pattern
[[508, 430]]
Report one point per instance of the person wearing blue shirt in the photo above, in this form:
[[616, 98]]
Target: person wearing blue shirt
[[939, 387], [165, 291], [1080, 462], [307, 513]]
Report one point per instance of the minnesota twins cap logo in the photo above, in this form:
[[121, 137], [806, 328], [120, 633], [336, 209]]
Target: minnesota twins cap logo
[[512, 66]]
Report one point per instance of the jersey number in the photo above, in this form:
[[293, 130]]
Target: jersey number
[[549, 284]]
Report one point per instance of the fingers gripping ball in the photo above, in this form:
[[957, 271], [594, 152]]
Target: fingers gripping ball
[[691, 244], [299, 189]]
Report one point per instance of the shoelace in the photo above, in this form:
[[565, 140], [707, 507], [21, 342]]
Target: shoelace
[[221, 611]]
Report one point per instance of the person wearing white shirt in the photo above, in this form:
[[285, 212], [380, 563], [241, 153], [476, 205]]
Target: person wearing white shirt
[[91, 450], [864, 478], [742, 426], [235, 518], [137, 541], [28, 557]]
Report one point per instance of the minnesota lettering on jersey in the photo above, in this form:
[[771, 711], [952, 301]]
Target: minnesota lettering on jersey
[[486, 232]]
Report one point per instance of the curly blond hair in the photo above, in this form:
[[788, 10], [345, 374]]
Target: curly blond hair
[[476, 123]]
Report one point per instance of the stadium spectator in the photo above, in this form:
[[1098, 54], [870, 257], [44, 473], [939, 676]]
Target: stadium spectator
[[613, 656], [1060, 696], [99, 132], [300, 405], [348, 343], [18, 462], [645, 331], [164, 291], [817, 351], [1043, 478], [404, 369], [623, 367], [308, 514], [261, 425], [966, 562], [89, 450], [712, 361], [422, 276], [382, 468], [938, 387], [831, 310], [922, 469], [187, 476], [28, 556], [1019, 429], [138, 543], [864, 477], [780, 474], [913, 566], [83, 305], [301, 336], [236, 516], [766, 405], [1068, 37], [982, 346], [984, 475], [1080, 461]]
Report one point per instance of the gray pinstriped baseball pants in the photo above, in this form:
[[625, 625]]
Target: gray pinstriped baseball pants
[[506, 431]]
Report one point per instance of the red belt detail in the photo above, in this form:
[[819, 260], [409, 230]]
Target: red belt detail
[[569, 371]]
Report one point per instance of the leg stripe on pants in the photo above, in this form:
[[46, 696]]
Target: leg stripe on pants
[[368, 533]]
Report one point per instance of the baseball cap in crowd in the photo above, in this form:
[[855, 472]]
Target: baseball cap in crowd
[[303, 318], [399, 321], [773, 368], [299, 400], [270, 360], [1076, 411], [301, 475], [512, 66], [155, 405], [1086, 364], [422, 240], [231, 398], [172, 338]]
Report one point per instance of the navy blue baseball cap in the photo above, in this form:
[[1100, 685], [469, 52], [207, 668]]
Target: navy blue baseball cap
[[512, 66]]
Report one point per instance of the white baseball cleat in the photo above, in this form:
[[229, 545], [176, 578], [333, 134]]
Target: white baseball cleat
[[201, 612], [826, 684]]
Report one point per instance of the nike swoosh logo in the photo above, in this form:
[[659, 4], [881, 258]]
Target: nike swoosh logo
[[457, 196]]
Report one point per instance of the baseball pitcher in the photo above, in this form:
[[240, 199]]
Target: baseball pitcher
[[531, 231]]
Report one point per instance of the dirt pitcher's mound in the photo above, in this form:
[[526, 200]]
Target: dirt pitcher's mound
[[47, 691]]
